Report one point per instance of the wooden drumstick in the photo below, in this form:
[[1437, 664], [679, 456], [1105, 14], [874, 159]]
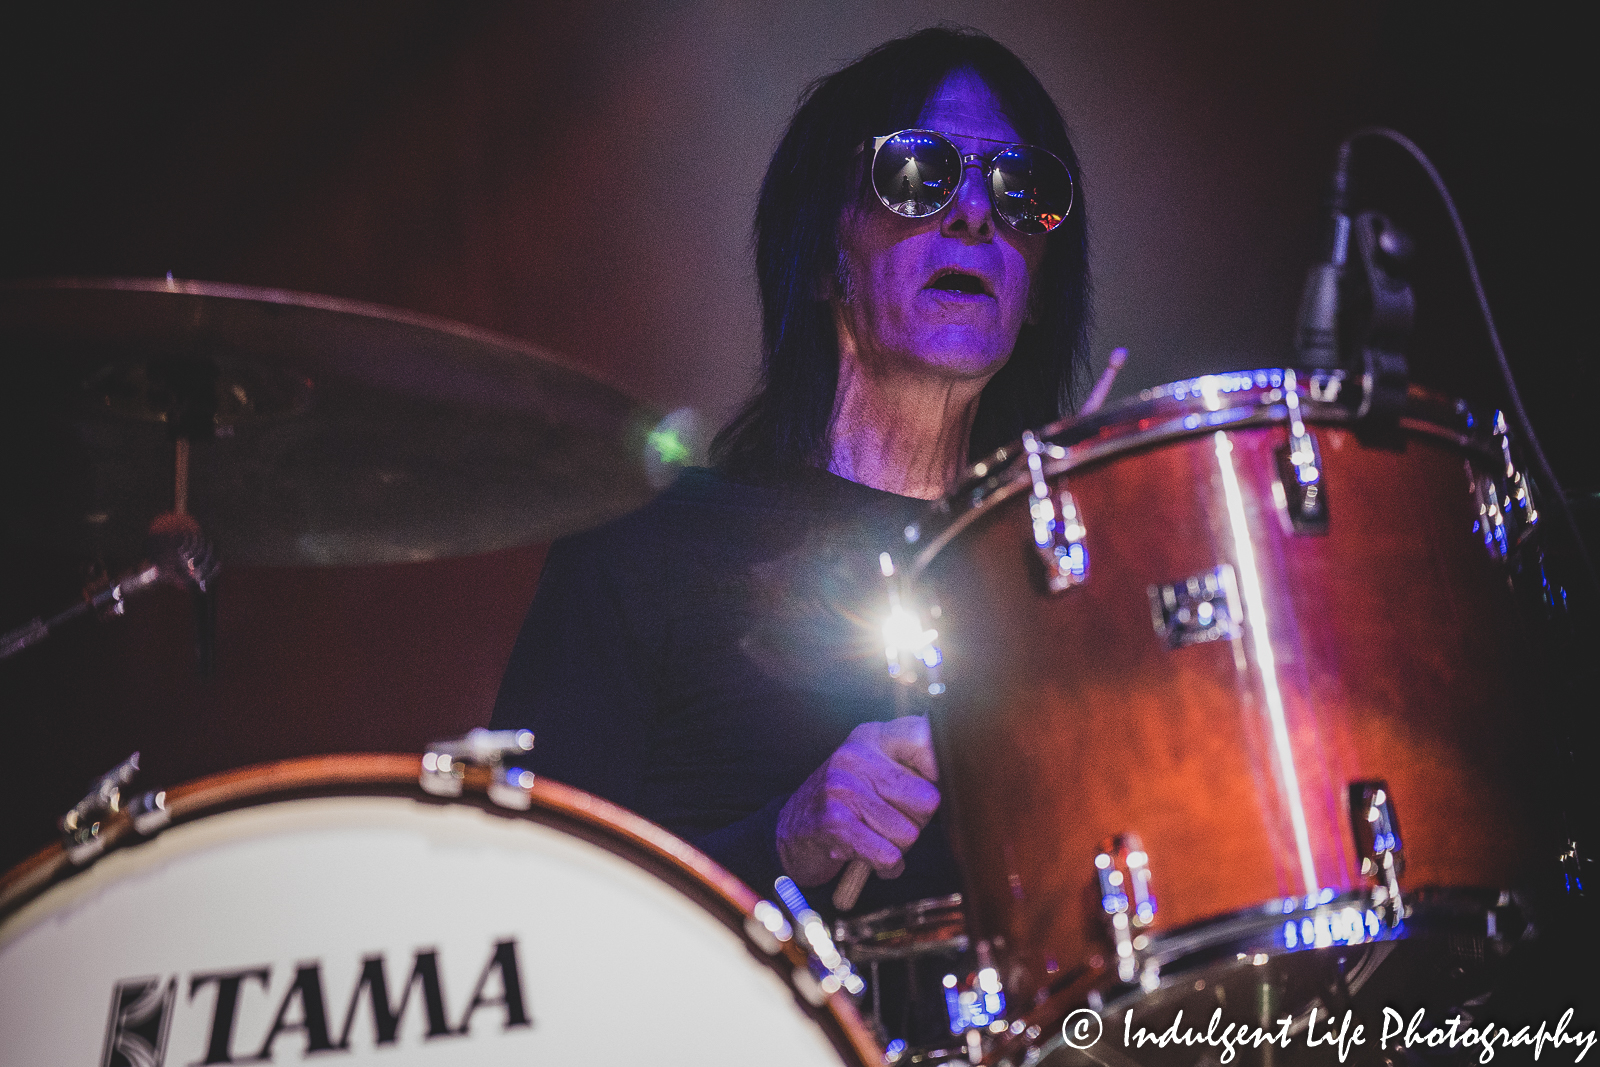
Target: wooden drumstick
[[1102, 388], [850, 885]]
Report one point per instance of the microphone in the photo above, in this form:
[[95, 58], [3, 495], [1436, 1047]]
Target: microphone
[[1316, 328], [185, 559]]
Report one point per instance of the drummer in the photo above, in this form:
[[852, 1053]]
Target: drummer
[[714, 661]]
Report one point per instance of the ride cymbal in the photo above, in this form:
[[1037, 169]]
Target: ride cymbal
[[324, 431]]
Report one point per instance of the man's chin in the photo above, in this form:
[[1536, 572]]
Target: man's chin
[[963, 353]]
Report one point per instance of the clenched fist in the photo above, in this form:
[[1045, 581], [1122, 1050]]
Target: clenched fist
[[869, 800]]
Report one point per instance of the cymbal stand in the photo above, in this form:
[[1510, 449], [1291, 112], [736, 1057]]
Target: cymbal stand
[[178, 555]]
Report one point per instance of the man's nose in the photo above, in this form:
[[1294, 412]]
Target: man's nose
[[970, 216]]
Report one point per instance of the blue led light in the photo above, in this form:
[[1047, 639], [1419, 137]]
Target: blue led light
[[790, 894], [952, 1007], [972, 1009]]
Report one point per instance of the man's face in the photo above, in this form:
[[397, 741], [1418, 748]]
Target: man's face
[[950, 291]]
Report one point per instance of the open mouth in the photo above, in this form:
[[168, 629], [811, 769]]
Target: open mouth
[[958, 281]]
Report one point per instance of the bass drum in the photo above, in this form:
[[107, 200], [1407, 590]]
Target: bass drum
[[331, 909], [1222, 676]]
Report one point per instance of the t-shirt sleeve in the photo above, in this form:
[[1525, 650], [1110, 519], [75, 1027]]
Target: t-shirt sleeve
[[583, 673]]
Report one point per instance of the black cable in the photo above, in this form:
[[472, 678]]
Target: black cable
[[1519, 414]]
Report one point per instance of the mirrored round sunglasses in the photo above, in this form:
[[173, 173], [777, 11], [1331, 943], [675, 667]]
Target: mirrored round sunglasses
[[916, 173]]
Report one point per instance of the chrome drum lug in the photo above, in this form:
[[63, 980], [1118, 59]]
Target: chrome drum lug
[[1376, 829], [1198, 609], [1058, 530], [1122, 869], [81, 827], [1300, 469]]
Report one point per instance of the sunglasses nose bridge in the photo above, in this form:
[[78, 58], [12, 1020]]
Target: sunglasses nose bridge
[[971, 201]]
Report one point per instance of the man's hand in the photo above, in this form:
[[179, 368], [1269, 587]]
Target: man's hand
[[870, 800]]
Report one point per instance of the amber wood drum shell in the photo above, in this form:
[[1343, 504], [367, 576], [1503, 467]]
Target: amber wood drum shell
[[1066, 718]]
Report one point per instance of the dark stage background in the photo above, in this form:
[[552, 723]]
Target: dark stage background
[[582, 176]]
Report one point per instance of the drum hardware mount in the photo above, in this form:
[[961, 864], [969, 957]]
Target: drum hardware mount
[[829, 971], [988, 1015], [1572, 863], [444, 766], [110, 601], [1198, 609], [1122, 868], [178, 554], [80, 828], [767, 927], [1519, 498], [1376, 829], [1058, 530], [1507, 515], [1491, 520], [1300, 468]]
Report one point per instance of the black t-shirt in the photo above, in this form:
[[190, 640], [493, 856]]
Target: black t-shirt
[[697, 660]]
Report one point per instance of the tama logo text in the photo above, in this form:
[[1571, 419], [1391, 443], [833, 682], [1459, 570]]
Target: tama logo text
[[272, 1013]]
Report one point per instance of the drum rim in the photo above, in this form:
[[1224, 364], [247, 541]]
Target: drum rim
[[366, 774], [603, 824], [1072, 444], [860, 929]]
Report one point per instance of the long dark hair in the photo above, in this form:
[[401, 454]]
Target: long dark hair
[[815, 174]]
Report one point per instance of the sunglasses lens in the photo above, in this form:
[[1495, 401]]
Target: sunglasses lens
[[915, 173], [1031, 188]]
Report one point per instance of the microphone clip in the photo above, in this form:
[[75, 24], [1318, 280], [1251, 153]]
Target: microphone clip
[[1377, 311]]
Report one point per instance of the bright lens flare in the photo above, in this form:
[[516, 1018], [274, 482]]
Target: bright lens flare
[[903, 630], [669, 447]]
